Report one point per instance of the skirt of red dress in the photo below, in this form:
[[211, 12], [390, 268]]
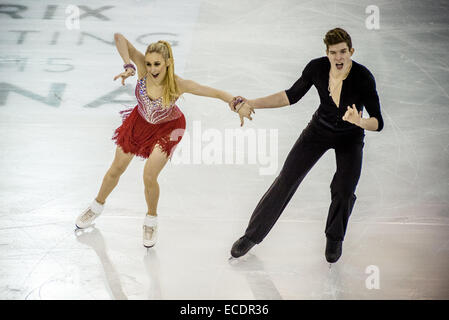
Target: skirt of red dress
[[138, 136]]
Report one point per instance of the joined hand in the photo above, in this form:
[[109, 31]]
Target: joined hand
[[239, 104]]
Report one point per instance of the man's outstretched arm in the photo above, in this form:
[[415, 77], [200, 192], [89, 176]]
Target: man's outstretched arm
[[276, 100]]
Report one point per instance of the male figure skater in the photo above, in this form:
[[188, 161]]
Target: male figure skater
[[345, 87]]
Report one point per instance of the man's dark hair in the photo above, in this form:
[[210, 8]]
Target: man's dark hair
[[335, 36]]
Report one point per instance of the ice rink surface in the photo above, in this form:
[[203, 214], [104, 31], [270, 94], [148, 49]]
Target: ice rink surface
[[59, 108]]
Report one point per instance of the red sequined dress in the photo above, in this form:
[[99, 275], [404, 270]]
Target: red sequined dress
[[149, 123]]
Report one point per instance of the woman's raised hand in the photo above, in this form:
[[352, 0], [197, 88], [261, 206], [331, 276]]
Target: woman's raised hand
[[129, 72]]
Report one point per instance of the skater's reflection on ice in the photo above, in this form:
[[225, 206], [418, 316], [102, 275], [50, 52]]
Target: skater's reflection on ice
[[332, 286], [94, 239], [259, 281], [151, 262]]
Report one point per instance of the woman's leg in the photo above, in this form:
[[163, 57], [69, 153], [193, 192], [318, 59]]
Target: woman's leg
[[112, 176], [153, 166]]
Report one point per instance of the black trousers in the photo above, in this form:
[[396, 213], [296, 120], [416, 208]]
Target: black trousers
[[313, 142]]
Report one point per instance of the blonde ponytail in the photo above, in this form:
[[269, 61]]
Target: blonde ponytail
[[171, 91]]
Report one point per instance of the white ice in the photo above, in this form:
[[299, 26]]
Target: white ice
[[59, 108]]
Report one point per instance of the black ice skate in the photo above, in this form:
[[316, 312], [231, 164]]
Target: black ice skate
[[333, 250], [241, 247]]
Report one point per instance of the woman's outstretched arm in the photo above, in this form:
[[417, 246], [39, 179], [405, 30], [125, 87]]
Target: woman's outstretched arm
[[189, 86]]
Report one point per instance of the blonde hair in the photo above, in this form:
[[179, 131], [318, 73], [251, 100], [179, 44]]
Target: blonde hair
[[171, 90]]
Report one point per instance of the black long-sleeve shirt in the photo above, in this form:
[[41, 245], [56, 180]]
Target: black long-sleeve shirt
[[358, 88]]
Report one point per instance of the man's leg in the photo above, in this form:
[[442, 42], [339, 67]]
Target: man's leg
[[309, 147], [349, 165]]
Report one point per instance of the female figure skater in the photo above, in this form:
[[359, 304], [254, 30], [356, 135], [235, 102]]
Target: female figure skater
[[340, 82], [151, 129]]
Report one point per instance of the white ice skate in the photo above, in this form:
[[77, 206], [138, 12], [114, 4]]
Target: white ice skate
[[149, 231], [92, 212]]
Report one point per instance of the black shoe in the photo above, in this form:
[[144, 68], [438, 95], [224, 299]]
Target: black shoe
[[333, 250], [241, 247]]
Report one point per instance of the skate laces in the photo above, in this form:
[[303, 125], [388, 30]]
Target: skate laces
[[89, 214], [148, 231]]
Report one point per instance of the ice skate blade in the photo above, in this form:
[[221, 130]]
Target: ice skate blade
[[236, 258], [233, 261], [79, 228]]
